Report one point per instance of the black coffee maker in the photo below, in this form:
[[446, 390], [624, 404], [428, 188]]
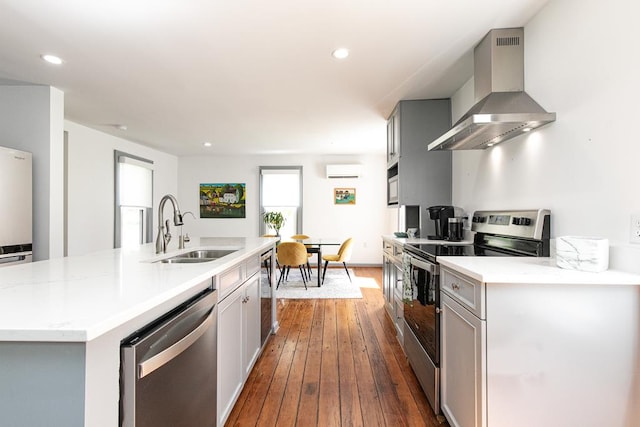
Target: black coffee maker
[[440, 215]]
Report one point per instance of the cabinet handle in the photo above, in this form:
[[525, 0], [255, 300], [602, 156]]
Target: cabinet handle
[[455, 286], [438, 310]]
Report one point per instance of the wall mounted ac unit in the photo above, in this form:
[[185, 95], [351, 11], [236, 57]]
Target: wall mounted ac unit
[[344, 171]]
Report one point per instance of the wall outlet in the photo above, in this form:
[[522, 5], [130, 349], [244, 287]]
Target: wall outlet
[[634, 233]]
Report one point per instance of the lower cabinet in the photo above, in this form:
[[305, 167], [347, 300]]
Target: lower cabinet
[[238, 342], [388, 272], [251, 324], [463, 365], [392, 285]]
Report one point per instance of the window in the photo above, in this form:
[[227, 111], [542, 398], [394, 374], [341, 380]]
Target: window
[[133, 200], [281, 191]]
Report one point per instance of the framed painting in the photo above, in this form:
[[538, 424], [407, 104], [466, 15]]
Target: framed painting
[[222, 201], [344, 196]]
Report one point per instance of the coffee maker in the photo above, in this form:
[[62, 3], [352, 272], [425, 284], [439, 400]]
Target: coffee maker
[[440, 215]]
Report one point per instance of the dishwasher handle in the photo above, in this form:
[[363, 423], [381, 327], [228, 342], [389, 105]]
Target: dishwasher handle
[[170, 353]]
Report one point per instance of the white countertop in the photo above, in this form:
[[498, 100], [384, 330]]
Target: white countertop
[[526, 270], [82, 297]]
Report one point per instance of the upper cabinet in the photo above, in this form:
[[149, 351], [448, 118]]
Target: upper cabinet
[[415, 175], [393, 140]]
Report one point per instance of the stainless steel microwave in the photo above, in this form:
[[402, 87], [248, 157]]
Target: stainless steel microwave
[[392, 190]]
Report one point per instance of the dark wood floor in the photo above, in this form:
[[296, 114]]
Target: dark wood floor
[[333, 362]]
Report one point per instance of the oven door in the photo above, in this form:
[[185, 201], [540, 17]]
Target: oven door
[[422, 313]]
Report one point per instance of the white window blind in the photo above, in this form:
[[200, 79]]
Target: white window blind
[[281, 187]]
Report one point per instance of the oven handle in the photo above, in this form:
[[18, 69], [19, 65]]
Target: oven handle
[[427, 266]]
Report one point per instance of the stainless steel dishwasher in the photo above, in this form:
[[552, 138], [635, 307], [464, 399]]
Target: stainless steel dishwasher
[[168, 369]]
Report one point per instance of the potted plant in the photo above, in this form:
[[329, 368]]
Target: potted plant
[[274, 220]]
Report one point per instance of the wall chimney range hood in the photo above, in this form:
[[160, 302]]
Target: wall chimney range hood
[[502, 110]]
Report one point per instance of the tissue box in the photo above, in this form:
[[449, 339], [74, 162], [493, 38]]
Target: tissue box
[[582, 253]]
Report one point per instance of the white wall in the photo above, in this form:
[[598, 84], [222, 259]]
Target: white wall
[[31, 120], [580, 62], [365, 222], [91, 185]]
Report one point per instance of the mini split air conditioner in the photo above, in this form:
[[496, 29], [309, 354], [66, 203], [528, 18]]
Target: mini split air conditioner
[[344, 171]]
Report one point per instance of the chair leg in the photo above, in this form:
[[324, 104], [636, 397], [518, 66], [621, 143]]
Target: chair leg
[[304, 280], [280, 278], [268, 268], [324, 270], [347, 270]]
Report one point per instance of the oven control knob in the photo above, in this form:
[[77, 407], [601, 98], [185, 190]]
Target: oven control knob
[[521, 221]]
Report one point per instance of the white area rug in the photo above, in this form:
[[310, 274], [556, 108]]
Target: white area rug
[[336, 285]]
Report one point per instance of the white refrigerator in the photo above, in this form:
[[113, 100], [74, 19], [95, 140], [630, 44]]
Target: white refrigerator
[[16, 213]]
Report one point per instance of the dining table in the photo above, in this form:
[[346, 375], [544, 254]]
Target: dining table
[[314, 246]]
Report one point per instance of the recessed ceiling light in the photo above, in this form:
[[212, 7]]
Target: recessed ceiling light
[[52, 59], [207, 144], [340, 53], [526, 130]]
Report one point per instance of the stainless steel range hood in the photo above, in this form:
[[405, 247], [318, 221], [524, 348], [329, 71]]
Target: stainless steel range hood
[[502, 110]]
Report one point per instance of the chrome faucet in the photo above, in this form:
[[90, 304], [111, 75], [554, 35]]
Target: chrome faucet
[[165, 236], [184, 238]]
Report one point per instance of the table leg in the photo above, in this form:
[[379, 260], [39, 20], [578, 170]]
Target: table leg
[[319, 264]]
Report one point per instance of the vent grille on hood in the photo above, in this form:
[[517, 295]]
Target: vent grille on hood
[[502, 110]]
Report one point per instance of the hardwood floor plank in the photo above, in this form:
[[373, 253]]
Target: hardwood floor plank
[[391, 352], [276, 392], [350, 411], [329, 397], [384, 384], [309, 392], [370, 405]]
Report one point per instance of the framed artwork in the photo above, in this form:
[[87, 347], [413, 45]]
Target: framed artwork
[[344, 196], [222, 201]]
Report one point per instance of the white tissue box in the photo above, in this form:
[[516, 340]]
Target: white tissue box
[[582, 253]]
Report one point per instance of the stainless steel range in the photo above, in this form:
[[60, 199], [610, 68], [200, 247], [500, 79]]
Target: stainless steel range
[[497, 233]]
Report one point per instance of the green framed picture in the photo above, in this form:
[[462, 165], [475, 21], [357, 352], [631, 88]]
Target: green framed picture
[[222, 201], [344, 196]]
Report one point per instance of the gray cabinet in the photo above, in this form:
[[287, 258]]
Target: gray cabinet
[[415, 175], [238, 331], [392, 285]]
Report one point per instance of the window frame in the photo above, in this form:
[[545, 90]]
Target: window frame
[[262, 225]]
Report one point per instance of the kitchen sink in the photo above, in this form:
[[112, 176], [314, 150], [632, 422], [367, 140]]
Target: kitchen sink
[[178, 260], [197, 256], [206, 253]]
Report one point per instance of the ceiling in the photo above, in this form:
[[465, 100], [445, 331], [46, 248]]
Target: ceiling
[[249, 76]]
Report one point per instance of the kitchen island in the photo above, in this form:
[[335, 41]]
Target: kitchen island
[[62, 320], [527, 343]]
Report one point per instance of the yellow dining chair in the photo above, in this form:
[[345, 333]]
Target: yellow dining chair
[[343, 255], [291, 254], [309, 255]]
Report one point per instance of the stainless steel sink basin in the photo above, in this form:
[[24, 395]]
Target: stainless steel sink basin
[[206, 253], [178, 260], [197, 256]]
